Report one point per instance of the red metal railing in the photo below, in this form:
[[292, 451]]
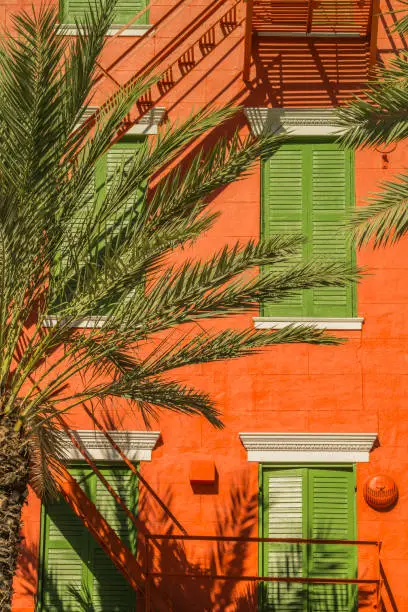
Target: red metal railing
[[199, 571]]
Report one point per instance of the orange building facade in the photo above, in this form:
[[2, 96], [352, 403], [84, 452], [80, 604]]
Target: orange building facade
[[293, 414]]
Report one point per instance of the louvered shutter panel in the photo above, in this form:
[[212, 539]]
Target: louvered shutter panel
[[332, 516], [308, 189], [126, 9], [283, 212], [64, 552], [124, 12], [283, 518], [118, 156], [77, 573], [331, 201], [110, 591]]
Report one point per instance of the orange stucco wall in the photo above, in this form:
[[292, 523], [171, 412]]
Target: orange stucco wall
[[361, 386]]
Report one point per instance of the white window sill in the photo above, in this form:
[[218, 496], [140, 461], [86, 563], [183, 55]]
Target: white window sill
[[317, 322], [89, 322], [68, 29]]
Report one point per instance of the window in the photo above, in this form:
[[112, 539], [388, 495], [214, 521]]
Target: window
[[71, 10], [76, 573], [308, 188], [119, 154], [315, 502]]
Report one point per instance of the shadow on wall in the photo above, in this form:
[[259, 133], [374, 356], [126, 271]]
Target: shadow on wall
[[180, 559]]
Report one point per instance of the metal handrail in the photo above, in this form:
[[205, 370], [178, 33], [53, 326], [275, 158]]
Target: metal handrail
[[151, 574], [218, 538]]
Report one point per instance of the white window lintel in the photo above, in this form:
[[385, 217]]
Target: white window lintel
[[293, 121], [147, 125], [304, 447], [70, 29], [136, 445], [329, 323]]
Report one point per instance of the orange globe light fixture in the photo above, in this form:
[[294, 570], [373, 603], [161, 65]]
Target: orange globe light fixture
[[380, 492]]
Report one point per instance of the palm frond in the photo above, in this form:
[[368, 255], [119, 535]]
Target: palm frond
[[67, 251], [380, 116], [385, 219], [151, 394]]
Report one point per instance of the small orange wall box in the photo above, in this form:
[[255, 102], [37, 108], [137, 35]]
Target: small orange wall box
[[202, 471]]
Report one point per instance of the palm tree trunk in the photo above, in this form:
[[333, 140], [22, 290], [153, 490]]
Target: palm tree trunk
[[14, 473]]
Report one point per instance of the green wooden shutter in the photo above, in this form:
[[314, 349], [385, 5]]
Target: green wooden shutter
[[126, 9], [332, 516], [283, 517], [76, 572], [110, 591], [283, 212], [120, 155], [331, 191], [65, 549], [308, 189], [314, 503], [72, 10]]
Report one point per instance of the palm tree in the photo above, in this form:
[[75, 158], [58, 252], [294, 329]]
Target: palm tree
[[68, 255], [380, 118]]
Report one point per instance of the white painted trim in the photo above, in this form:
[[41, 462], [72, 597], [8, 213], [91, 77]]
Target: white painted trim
[[137, 445], [338, 323], [293, 121], [149, 123], [302, 447], [70, 29], [146, 126], [89, 322]]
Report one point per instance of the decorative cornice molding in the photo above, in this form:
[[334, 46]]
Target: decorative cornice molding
[[302, 447], [70, 29], [137, 445], [147, 125], [342, 324], [293, 121]]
